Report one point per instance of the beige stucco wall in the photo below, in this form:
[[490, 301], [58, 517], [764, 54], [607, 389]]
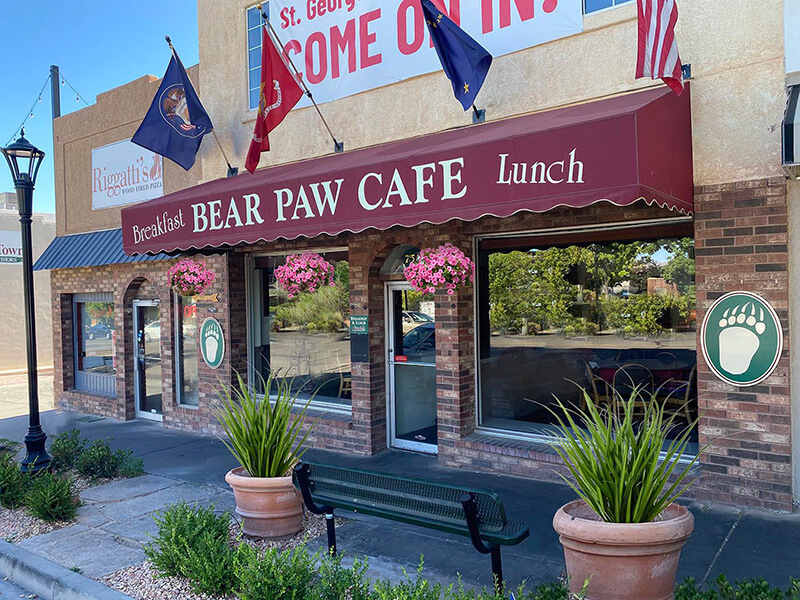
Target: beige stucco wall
[[12, 307], [735, 48], [114, 117]]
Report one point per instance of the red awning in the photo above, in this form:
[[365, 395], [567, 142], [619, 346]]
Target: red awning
[[621, 150]]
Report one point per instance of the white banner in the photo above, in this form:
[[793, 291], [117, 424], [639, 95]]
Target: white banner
[[10, 247], [124, 173], [343, 47]]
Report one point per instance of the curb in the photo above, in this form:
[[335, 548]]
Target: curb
[[49, 580]]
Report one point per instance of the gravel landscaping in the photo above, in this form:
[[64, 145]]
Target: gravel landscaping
[[17, 524], [143, 583]]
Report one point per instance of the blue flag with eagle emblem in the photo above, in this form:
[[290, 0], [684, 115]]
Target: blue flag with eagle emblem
[[176, 122], [464, 60]]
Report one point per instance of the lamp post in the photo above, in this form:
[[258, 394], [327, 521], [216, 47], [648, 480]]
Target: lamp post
[[24, 160]]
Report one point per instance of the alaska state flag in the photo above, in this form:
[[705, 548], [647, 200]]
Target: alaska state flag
[[464, 60], [176, 122]]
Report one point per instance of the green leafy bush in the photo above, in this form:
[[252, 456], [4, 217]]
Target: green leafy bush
[[643, 314], [317, 312], [335, 581], [99, 461], [414, 587], [615, 456], [65, 449], [208, 563], [748, 589], [179, 528], [274, 575], [52, 498], [13, 483]]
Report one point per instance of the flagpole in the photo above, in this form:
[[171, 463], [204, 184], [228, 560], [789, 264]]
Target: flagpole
[[478, 115], [232, 171], [337, 145]]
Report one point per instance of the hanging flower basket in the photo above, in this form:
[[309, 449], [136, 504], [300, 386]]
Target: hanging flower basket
[[190, 277], [305, 272], [445, 266]]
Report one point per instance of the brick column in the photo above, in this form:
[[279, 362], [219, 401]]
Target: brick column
[[741, 244]]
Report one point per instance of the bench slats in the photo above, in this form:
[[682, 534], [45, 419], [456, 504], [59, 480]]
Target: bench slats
[[412, 501]]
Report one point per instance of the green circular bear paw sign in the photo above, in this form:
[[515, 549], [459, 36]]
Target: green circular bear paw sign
[[212, 342], [742, 338]]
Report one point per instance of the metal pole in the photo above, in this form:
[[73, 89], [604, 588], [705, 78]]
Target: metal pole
[[337, 145], [36, 458], [55, 90]]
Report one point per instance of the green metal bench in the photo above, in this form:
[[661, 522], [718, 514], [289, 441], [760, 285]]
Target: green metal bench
[[476, 514]]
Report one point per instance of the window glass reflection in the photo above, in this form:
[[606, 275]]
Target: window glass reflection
[[306, 339], [96, 337], [603, 317]]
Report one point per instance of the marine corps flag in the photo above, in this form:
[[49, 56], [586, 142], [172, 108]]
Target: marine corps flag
[[279, 94], [464, 60], [176, 122]]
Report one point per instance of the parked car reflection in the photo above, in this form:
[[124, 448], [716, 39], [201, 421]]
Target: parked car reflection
[[99, 331]]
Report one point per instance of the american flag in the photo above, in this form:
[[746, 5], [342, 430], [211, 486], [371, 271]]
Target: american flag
[[658, 50]]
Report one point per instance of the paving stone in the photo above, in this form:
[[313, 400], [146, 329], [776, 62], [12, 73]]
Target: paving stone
[[127, 488], [135, 507], [96, 552], [92, 516], [141, 529]]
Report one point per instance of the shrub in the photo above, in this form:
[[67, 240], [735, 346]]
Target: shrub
[[274, 575], [336, 581], [52, 498], [748, 589], [208, 563], [99, 461], [65, 449], [13, 483], [409, 588], [179, 528]]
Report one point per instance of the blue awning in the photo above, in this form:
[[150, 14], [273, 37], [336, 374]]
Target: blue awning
[[89, 250]]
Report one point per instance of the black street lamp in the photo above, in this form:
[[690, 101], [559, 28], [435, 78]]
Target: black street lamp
[[24, 160]]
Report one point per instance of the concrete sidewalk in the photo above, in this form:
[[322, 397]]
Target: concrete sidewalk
[[738, 542]]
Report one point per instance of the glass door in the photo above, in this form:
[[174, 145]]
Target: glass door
[[411, 361], [147, 333]]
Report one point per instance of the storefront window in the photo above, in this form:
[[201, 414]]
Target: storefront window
[[95, 343], [186, 346], [601, 317], [304, 340]]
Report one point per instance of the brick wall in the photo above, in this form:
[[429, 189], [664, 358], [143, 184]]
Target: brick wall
[[741, 244]]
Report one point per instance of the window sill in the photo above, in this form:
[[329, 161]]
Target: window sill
[[88, 393]]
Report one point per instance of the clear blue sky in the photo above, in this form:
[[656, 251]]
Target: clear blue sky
[[97, 44]]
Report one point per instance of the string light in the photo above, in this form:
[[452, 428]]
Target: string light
[[30, 111]]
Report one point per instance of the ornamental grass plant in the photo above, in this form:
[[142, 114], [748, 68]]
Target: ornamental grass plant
[[264, 434], [628, 467]]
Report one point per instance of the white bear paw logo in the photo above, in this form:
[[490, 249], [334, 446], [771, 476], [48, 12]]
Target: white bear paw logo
[[739, 338], [211, 343]]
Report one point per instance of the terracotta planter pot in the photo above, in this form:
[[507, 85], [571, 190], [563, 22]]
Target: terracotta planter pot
[[622, 561], [270, 507]]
